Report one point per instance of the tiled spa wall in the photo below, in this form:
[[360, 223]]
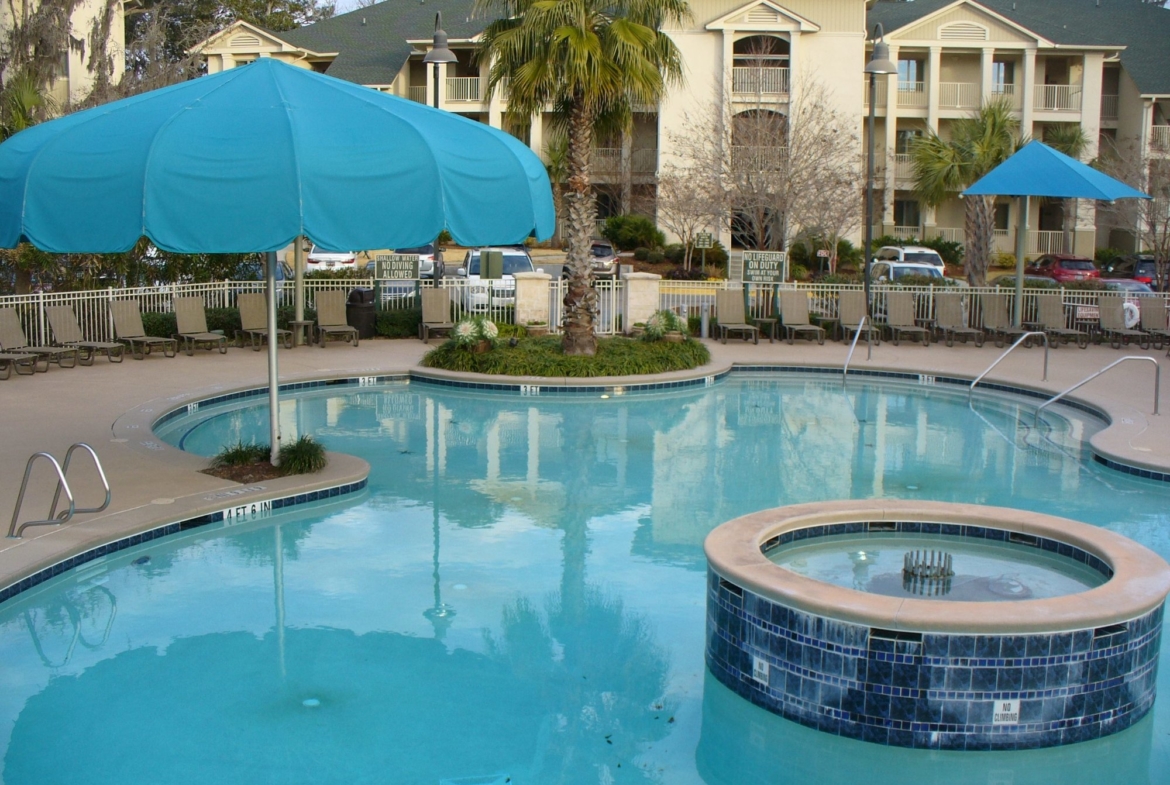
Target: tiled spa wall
[[929, 690]]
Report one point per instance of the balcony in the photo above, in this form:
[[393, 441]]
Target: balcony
[[417, 94], [1008, 93], [1109, 107], [749, 158], [903, 166], [607, 161], [881, 92], [761, 81], [1160, 139], [905, 232], [1057, 98], [958, 95], [464, 88], [912, 94]]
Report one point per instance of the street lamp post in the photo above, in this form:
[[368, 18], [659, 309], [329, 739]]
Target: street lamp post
[[879, 63], [439, 53]]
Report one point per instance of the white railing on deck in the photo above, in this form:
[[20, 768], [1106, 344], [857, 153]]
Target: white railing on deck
[[1058, 97], [958, 95], [881, 92], [1008, 92], [906, 232], [1109, 106], [417, 94], [463, 88], [1160, 139], [912, 94], [759, 81], [1045, 242], [903, 166]]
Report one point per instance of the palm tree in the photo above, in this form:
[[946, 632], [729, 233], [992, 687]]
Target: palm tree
[[1070, 139], [944, 167], [592, 61]]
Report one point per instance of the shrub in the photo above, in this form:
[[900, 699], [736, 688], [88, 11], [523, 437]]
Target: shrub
[[398, 323], [842, 278], [654, 257], [628, 232], [544, 357], [1004, 261], [676, 253], [662, 322], [444, 238], [159, 325], [304, 456], [1009, 281], [240, 454], [799, 272], [679, 274], [512, 330], [641, 254], [717, 256], [950, 251], [1102, 256]]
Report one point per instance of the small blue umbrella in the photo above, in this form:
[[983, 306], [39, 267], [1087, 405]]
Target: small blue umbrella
[[1038, 170], [249, 159]]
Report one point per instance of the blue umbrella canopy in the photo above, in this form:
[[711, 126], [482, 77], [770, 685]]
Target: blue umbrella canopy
[[1038, 170], [248, 159]]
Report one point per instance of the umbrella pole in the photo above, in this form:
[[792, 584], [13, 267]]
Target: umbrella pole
[[1021, 249], [273, 375], [299, 280]]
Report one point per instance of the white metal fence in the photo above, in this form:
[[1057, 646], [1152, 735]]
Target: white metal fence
[[496, 300], [1058, 97]]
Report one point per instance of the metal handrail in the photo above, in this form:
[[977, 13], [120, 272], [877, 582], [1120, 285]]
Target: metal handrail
[[14, 532], [868, 341], [1081, 383], [1020, 340], [65, 469]]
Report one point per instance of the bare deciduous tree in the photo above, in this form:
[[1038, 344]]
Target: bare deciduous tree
[[690, 200], [1147, 219]]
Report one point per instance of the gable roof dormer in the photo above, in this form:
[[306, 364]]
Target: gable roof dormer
[[766, 17]]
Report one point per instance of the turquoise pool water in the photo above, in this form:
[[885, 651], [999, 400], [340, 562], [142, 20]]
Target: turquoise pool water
[[984, 571], [519, 596]]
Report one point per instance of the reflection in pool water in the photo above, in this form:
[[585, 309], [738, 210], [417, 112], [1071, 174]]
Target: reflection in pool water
[[519, 595]]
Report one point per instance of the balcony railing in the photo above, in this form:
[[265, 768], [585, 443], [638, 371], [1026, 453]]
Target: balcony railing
[[1109, 107], [905, 232], [644, 161], [749, 158], [958, 95], [912, 94], [881, 92], [1058, 98], [1045, 242], [950, 235], [1008, 92], [464, 88], [417, 94], [903, 166], [1160, 139], [608, 160], [761, 80]]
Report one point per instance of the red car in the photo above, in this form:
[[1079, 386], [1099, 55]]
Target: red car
[[1063, 268]]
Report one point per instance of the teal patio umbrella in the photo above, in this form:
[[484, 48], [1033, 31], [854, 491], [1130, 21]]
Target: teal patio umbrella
[[251, 158], [1038, 170]]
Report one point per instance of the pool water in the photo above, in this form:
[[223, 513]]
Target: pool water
[[520, 594], [984, 570]]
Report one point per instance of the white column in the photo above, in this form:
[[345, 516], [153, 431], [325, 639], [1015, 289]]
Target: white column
[[794, 85], [641, 297], [932, 76], [986, 59], [536, 134], [890, 175], [1028, 99]]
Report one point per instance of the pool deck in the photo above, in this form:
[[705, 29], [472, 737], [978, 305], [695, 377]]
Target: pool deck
[[111, 406]]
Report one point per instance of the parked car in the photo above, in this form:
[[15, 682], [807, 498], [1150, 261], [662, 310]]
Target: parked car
[[255, 270], [1138, 267], [911, 254], [479, 294], [322, 259], [893, 272], [604, 259], [1063, 268], [1127, 285]]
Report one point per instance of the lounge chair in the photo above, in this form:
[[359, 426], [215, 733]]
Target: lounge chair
[[12, 341], [729, 312], [1111, 310], [996, 321], [191, 319], [1154, 320], [25, 364], [851, 309], [1050, 319], [331, 318], [129, 330], [254, 322], [436, 313], [67, 332], [949, 321], [794, 317], [900, 318]]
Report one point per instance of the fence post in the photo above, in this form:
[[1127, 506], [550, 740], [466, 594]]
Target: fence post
[[43, 337], [532, 306], [640, 298], [109, 314]]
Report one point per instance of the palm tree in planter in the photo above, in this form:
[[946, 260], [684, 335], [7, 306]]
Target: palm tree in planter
[[943, 167], [593, 61]]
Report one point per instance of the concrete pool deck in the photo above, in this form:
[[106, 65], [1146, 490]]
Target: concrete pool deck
[[110, 407]]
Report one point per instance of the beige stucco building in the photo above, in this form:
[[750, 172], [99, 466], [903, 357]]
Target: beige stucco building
[[1102, 64]]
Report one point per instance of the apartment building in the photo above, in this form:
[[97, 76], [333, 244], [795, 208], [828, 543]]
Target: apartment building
[[74, 79], [1102, 64]]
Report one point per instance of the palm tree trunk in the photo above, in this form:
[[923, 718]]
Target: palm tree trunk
[[580, 298], [979, 231]]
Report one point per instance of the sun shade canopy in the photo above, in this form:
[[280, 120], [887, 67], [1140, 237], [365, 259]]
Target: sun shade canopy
[[248, 159], [1038, 170]]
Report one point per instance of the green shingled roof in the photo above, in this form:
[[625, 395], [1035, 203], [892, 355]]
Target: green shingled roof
[[371, 42], [1142, 28]]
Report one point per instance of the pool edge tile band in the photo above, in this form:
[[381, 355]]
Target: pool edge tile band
[[174, 527]]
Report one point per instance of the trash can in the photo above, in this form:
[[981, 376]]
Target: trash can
[[360, 312]]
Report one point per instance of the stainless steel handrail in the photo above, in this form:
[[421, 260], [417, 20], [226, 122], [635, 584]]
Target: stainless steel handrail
[[101, 473], [1082, 382], [868, 341], [14, 532], [1020, 340]]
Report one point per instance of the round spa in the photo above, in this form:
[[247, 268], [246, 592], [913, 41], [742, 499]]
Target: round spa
[[934, 625]]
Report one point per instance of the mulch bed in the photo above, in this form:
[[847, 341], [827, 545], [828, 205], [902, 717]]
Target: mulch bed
[[252, 472]]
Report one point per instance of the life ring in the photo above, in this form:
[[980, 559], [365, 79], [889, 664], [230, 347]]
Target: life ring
[[1132, 315]]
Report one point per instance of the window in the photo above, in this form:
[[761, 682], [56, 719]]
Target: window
[[905, 141], [1002, 216], [906, 212], [1002, 76], [911, 73]]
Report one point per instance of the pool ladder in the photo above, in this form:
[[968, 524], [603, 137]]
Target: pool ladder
[[62, 470]]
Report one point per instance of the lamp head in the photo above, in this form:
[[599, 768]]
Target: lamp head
[[439, 52], [879, 59]]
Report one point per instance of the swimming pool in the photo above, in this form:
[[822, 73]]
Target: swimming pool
[[520, 593]]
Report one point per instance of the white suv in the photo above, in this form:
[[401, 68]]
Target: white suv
[[911, 254], [893, 272]]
